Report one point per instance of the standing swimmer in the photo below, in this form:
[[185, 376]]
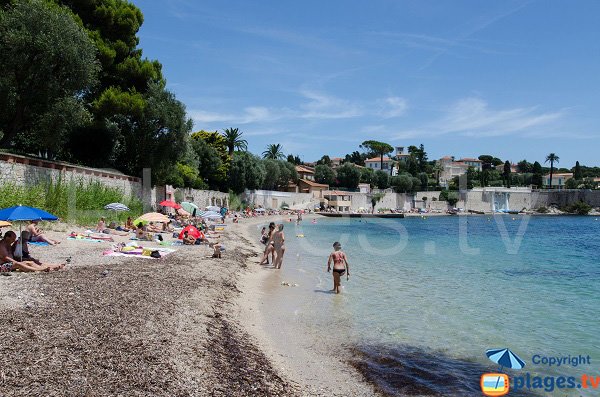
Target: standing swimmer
[[340, 266]]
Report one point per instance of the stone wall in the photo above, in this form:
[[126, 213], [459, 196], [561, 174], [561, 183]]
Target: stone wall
[[24, 171], [274, 200]]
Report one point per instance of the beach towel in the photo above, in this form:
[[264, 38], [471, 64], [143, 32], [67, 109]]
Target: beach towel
[[91, 240], [138, 252], [38, 243]]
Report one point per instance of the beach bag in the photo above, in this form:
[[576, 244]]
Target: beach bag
[[155, 254], [19, 250]]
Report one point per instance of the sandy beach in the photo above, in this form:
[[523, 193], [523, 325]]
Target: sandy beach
[[183, 325]]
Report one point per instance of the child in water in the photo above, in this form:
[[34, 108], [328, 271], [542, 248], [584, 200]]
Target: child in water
[[340, 266]]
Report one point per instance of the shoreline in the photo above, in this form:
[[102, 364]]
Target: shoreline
[[310, 367]]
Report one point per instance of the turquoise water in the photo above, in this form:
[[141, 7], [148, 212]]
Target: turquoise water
[[432, 294]]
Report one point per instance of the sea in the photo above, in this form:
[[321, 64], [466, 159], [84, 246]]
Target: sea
[[429, 295]]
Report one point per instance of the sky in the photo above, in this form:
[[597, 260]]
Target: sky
[[515, 79]]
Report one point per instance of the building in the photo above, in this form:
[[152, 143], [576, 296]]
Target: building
[[558, 180], [305, 172], [375, 165], [400, 154], [514, 168], [338, 200], [475, 163], [336, 162]]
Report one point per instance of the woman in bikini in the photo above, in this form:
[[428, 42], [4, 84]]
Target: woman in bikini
[[340, 266], [269, 249], [279, 246]]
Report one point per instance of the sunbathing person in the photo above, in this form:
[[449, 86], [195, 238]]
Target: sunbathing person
[[21, 252], [101, 226], [140, 232], [8, 263], [129, 224], [188, 239], [153, 228], [37, 234]]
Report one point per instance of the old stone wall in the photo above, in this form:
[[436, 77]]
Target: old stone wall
[[24, 171]]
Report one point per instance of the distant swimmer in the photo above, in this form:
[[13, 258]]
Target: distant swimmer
[[340, 266]]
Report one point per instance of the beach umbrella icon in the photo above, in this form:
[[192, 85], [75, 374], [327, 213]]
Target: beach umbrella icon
[[505, 358]]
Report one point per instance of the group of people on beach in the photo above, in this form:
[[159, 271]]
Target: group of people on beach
[[274, 241], [14, 253]]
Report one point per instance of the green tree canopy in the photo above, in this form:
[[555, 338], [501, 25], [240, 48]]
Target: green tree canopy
[[48, 64], [402, 183], [324, 174], [247, 172], [381, 179], [377, 148], [577, 173], [348, 176]]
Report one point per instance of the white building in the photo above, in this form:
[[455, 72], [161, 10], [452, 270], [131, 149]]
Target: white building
[[388, 165]]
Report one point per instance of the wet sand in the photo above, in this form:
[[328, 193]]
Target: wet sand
[[308, 359]]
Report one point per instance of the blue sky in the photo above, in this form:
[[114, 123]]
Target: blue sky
[[516, 79]]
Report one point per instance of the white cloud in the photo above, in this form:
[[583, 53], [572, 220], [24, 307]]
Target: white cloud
[[473, 117], [252, 114], [393, 106], [322, 106]]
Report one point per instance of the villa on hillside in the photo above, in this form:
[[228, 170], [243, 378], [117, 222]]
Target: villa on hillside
[[336, 162], [305, 172], [514, 168], [450, 169], [306, 183], [375, 164], [558, 180], [400, 154], [475, 163]]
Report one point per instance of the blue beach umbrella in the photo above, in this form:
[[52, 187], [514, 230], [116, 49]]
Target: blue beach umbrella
[[24, 213], [505, 358]]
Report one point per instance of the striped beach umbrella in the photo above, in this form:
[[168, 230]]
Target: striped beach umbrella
[[116, 207], [505, 358]]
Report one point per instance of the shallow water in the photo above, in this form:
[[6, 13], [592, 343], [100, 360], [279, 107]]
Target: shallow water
[[428, 295]]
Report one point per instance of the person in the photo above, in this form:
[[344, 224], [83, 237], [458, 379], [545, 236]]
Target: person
[[188, 239], [101, 226], [153, 228], [278, 239], [263, 235], [37, 235], [269, 249], [129, 224], [140, 232], [8, 262], [340, 266]]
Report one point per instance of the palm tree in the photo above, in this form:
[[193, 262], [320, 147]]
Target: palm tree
[[552, 158], [274, 151], [233, 140]]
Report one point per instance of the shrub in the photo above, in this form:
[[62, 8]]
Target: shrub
[[542, 210], [579, 208]]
